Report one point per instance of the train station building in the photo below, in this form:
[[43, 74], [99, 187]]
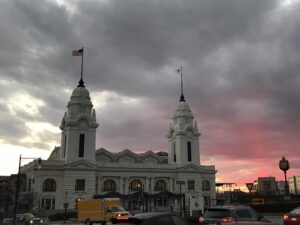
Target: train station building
[[149, 181]]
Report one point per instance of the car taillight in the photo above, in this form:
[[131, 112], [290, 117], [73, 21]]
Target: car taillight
[[285, 217], [122, 218], [201, 219], [227, 220]]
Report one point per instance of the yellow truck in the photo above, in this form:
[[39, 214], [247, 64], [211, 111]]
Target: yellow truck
[[99, 210]]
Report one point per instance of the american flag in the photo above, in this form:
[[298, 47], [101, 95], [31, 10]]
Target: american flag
[[77, 52]]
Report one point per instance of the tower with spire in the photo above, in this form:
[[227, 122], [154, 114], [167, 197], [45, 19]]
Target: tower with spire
[[183, 134], [78, 137]]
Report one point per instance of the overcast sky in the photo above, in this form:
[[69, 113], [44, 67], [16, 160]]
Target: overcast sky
[[241, 66]]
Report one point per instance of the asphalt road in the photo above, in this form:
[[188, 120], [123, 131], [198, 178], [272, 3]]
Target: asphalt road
[[276, 219]]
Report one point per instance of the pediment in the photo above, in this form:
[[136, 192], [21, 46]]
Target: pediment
[[189, 168], [126, 159], [103, 151], [126, 156], [150, 160], [103, 159], [82, 164]]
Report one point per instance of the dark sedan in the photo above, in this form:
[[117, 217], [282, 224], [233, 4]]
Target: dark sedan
[[28, 219], [232, 214], [150, 219], [292, 218]]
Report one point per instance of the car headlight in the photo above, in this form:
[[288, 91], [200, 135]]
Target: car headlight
[[41, 221], [30, 221]]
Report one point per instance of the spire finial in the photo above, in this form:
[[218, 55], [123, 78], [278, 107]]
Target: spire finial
[[180, 70], [80, 83], [80, 52]]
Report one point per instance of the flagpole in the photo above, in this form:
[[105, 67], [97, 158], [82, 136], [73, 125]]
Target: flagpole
[[181, 97], [82, 63], [181, 80]]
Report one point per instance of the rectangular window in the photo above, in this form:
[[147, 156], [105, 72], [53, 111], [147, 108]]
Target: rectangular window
[[65, 146], [53, 203], [191, 185], [48, 203], [189, 148], [79, 185], [81, 145], [174, 151], [206, 200]]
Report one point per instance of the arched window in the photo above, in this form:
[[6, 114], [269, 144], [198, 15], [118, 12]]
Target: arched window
[[160, 185], [205, 185], [49, 185], [135, 185], [109, 185]]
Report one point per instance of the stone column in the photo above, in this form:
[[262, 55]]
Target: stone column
[[127, 185], [100, 181], [171, 185], [152, 184], [121, 190], [146, 188]]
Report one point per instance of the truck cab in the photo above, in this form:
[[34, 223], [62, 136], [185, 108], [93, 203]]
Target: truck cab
[[100, 210]]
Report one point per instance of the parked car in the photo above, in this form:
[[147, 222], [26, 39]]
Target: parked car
[[28, 219], [292, 218], [150, 219], [232, 214]]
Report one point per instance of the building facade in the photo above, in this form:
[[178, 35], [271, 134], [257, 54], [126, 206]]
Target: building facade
[[150, 180], [294, 184]]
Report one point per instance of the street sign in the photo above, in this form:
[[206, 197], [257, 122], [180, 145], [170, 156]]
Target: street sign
[[181, 182], [258, 201], [249, 186]]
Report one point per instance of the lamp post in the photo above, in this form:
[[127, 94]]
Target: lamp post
[[129, 198], [284, 165], [190, 205], [141, 186], [18, 186], [181, 182]]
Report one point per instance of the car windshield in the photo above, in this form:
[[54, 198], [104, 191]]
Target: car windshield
[[296, 211], [30, 215], [216, 213], [25, 216], [117, 208]]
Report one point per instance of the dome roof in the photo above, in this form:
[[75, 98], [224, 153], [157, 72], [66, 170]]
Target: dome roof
[[183, 109], [80, 92]]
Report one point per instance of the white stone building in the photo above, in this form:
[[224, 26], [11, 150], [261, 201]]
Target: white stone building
[[76, 170]]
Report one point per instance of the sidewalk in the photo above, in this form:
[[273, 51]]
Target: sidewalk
[[62, 222]]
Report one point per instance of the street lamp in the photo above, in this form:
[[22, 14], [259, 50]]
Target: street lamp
[[190, 204], [141, 186], [284, 165], [18, 185], [129, 198], [182, 211]]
